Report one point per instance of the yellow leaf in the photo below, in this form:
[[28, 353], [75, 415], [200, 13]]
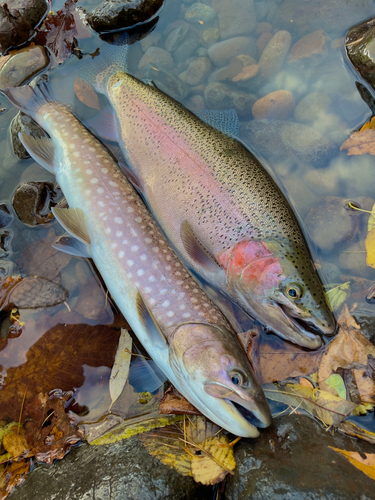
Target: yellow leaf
[[337, 295], [371, 219], [370, 248], [370, 124], [86, 93], [15, 442], [366, 465], [193, 448], [353, 430]]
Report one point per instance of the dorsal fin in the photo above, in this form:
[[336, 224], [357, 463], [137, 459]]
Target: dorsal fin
[[73, 220], [196, 250]]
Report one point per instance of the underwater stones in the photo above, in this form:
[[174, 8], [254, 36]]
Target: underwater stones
[[312, 107], [274, 54], [155, 56], [221, 52], [263, 41], [18, 18], [362, 55], [277, 105], [198, 70], [175, 37], [31, 202], [170, 84], [187, 47], [312, 47], [210, 36], [116, 14], [199, 13], [331, 224], [323, 181], [279, 140], [217, 95], [25, 124], [247, 73], [151, 39], [236, 17], [22, 66]]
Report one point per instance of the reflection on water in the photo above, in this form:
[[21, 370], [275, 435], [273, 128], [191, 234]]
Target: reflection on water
[[298, 139]]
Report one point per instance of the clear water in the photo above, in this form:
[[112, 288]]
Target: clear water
[[347, 177]]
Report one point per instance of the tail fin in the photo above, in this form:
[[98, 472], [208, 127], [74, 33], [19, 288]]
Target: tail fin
[[111, 59]]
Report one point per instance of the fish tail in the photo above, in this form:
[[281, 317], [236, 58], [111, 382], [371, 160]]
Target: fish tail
[[111, 59]]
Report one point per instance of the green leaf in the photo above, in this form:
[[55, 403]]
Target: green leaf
[[336, 382], [337, 295]]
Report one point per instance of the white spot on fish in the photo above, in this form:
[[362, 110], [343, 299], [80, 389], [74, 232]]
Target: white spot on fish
[[113, 245], [152, 302], [130, 262], [94, 180], [105, 170], [140, 272], [121, 254], [101, 203], [88, 191], [100, 190], [76, 154], [138, 219], [130, 209], [79, 180], [148, 289], [163, 291], [151, 278], [166, 303], [143, 257], [118, 234], [194, 300], [186, 315], [181, 307], [168, 268], [134, 248], [129, 275], [107, 230], [170, 314], [118, 220], [114, 184]]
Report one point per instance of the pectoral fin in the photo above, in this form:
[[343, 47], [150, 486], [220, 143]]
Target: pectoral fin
[[145, 376], [150, 324], [40, 149], [196, 250], [73, 220], [72, 246], [132, 178]]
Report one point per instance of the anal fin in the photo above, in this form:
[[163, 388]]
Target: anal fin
[[73, 220], [149, 322], [196, 250], [72, 246], [40, 149]]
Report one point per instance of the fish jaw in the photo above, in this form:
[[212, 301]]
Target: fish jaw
[[260, 275], [205, 360]]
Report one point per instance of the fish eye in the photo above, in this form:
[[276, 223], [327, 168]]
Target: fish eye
[[293, 291], [236, 378]]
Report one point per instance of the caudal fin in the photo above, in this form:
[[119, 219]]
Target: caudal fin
[[113, 58]]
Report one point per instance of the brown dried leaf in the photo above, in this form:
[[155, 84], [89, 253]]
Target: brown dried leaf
[[86, 93], [360, 143], [174, 402], [15, 442], [14, 474]]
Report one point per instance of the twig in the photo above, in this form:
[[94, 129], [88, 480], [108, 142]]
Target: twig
[[19, 420]]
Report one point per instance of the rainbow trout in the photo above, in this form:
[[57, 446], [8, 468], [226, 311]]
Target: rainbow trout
[[186, 335], [218, 207]]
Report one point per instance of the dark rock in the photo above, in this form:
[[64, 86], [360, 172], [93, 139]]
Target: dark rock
[[25, 64], [170, 84], [5, 215], [198, 71], [333, 17], [18, 18], [122, 471], [280, 141], [25, 124], [291, 460], [330, 223], [8, 268], [116, 14], [220, 96], [32, 202], [4, 244], [360, 48], [188, 46]]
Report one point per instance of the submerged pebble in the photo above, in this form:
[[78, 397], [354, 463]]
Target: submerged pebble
[[274, 54], [22, 66], [31, 202], [155, 56], [187, 47], [199, 13], [312, 47], [175, 37], [198, 70], [312, 107], [217, 95], [277, 105], [236, 17], [222, 52]]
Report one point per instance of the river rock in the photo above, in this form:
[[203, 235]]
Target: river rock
[[277, 105], [263, 41], [187, 47], [292, 460], [279, 141], [175, 37], [221, 52], [362, 55], [31, 202], [333, 17], [236, 17], [23, 123], [210, 36], [247, 73], [312, 107], [18, 19], [22, 66], [120, 471], [274, 55], [312, 47], [149, 40], [330, 224], [112, 15], [199, 13], [217, 95], [198, 71], [323, 181], [157, 57]]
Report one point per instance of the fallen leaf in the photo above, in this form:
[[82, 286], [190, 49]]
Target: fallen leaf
[[176, 403], [330, 409], [306, 383], [194, 448], [366, 386], [15, 442], [14, 473], [337, 383], [371, 219], [370, 248], [353, 430], [86, 93], [120, 369], [366, 465], [336, 296], [360, 143]]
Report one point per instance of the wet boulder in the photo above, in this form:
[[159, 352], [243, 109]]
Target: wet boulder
[[22, 66], [32, 202], [112, 15], [18, 18], [360, 48], [25, 124]]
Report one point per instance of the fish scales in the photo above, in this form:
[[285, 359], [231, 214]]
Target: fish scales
[[128, 232]]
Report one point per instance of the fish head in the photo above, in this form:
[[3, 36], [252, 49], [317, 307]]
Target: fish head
[[278, 282], [217, 377]]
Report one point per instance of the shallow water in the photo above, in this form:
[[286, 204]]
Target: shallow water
[[306, 183]]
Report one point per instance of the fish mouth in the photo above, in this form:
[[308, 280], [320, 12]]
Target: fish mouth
[[249, 416], [306, 336]]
